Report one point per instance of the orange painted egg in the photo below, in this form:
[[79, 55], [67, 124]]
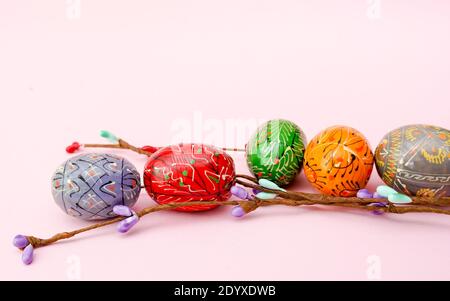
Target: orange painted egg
[[338, 161]]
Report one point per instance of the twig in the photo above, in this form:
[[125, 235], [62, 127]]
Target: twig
[[315, 197], [249, 205]]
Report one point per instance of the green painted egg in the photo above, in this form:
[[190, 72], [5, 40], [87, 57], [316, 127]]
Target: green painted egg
[[275, 151]]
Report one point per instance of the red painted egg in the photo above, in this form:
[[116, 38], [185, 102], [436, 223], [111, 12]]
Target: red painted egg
[[189, 173]]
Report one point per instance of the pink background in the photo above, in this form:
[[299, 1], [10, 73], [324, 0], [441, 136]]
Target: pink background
[[137, 68]]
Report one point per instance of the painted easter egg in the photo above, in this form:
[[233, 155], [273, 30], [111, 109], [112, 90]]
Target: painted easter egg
[[88, 186], [275, 151], [189, 172], [415, 160], [338, 161]]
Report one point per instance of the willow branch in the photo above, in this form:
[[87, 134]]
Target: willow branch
[[248, 206], [122, 144], [315, 197]]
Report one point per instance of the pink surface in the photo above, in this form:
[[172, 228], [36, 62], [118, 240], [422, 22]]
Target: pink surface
[[143, 69]]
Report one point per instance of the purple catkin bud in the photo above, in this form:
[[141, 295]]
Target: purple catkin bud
[[237, 211], [27, 255], [126, 224], [122, 210], [364, 194], [239, 192], [376, 211], [20, 241]]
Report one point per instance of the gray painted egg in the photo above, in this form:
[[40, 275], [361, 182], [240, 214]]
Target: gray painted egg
[[415, 160], [88, 186]]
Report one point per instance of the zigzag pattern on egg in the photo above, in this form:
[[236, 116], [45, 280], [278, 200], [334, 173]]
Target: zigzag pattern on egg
[[391, 154]]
